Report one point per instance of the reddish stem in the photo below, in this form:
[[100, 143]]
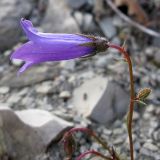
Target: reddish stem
[[95, 153], [131, 105], [89, 132]]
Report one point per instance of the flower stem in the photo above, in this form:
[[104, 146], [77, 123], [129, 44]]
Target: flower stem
[[95, 153], [91, 133], [131, 105]]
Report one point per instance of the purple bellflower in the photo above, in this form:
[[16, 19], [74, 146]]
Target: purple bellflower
[[43, 47]]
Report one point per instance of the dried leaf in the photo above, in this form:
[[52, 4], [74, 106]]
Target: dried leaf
[[134, 9]]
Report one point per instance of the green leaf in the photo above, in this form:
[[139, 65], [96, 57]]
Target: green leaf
[[141, 102]]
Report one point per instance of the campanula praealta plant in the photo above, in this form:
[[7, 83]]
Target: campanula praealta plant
[[43, 47]]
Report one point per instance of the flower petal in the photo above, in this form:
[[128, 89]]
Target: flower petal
[[43, 47], [34, 35], [42, 52], [24, 67], [28, 28]]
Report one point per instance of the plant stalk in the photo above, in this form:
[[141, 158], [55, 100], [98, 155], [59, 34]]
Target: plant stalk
[[91, 133], [131, 105], [95, 153]]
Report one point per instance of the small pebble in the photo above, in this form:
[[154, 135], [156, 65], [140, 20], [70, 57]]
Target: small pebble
[[65, 94], [4, 90]]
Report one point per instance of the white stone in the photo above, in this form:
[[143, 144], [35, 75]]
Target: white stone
[[4, 90], [65, 94], [44, 88], [17, 62], [150, 147], [60, 16], [68, 65], [14, 98], [34, 118], [113, 104], [88, 94], [135, 115]]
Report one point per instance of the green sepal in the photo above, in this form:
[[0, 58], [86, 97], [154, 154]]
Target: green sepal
[[87, 36], [141, 102]]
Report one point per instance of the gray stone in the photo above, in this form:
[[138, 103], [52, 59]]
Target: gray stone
[[137, 145], [7, 53], [157, 3], [32, 76], [26, 134], [106, 25], [28, 102], [10, 14], [68, 65], [86, 75], [88, 94], [13, 99], [65, 94], [58, 18], [149, 51], [104, 61], [118, 140], [150, 108], [156, 41], [157, 58], [95, 146], [156, 136], [153, 55], [118, 68], [76, 4], [118, 22], [116, 40], [101, 100], [148, 154], [88, 25], [4, 90], [107, 132], [118, 131], [78, 17], [112, 105], [23, 91], [150, 146], [135, 116], [45, 88]]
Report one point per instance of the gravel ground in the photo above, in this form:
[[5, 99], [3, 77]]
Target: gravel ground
[[50, 86]]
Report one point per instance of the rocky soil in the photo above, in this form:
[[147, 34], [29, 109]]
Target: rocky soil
[[48, 99]]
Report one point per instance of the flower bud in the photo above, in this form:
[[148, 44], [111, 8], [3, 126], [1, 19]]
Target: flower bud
[[143, 94]]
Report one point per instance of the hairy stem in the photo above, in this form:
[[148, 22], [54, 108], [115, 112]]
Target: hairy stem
[[91, 133], [131, 105]]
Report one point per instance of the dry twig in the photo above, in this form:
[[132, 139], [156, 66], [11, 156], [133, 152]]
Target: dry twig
[[131, 22]]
